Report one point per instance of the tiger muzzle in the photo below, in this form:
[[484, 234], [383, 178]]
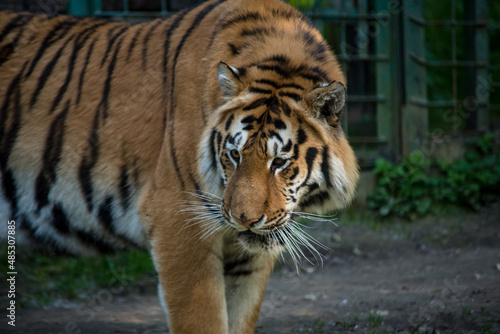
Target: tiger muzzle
[[246, 196]]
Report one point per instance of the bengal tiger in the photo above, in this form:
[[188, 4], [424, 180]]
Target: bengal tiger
[[198, 137]]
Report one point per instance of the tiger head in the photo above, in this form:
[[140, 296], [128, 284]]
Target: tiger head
[[272, 149]]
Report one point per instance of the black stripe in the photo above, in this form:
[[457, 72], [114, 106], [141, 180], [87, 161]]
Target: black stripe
[[107, 83], [51, 157], [42, 80], [319, 47], [260, 90], [284, 72], [292, 85], [93, 241], [234, 50], [229, 266], [317, 199], [47, 240], [258, 103], [325, 166], [125, 187], [312, 187], [166, 47], [275, 134], [62, 225], [84, 70], [319, 57], [287, 147], [17, 21], [8, 136], [10, 191], [268, 82], [60, 220], [105, 217], [285, 108], [90, 159], [145, 41], [213, 152], [258, 31], [219, 141], [251, 16], [311, 77], [198, 19], [275, 109], [295, 97], [311, 154], [55, 35], [229, 121], [242, 71], [295, 151], [282, 65], [80, 40], [248, 119], [134, 41], [279, 124], [295, 173], [112, 41], [309, 38], [279, 58], [239, 273], [7, 49], [320, 72], [301, 136]]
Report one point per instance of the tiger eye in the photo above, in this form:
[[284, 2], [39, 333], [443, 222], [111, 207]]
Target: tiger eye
[[235, 154], [278, 162]]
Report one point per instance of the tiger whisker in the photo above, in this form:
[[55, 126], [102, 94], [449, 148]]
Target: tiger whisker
[[308, 242], [205, 213], [295, 241], [291, 248], [308, 214], [316, 217]]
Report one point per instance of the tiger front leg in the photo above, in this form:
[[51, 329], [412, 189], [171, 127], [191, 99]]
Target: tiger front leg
[[191, 284], [190, 270], [246, 277]]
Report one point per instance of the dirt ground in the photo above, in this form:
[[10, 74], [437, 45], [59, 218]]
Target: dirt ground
[[438, 275]]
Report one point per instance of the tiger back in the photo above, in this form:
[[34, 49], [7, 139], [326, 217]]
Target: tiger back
[[200, 137]]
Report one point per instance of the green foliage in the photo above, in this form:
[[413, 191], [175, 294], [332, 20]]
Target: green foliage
[[44, 279], [419, 186], [374, 320]]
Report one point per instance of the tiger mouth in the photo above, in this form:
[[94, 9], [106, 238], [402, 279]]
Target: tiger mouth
[[258, 238]]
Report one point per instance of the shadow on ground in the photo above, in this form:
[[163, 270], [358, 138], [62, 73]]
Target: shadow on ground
[[438, 275]]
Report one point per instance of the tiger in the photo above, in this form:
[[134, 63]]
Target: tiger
[[200, 138]]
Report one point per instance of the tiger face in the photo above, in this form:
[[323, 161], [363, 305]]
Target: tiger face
[[275, 149]]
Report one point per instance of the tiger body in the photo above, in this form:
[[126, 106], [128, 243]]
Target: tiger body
[[195, 137]]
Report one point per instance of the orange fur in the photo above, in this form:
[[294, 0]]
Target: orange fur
[[104, 124]]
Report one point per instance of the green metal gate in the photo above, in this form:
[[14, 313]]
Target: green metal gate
[[416, 69]]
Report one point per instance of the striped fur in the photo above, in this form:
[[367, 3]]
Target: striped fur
[[196, 137]]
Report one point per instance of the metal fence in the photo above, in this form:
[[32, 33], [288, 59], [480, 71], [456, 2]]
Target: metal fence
[[417, 69]]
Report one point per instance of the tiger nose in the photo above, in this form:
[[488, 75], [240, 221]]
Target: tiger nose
[[246, 222]]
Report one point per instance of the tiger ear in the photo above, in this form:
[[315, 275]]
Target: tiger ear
[[328, 100], [229, 79]]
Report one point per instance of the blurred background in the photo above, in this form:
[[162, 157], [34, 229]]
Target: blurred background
[[423, 111]]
